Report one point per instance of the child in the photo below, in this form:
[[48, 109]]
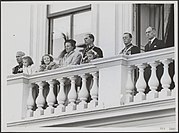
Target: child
[[47, 63], [90, 55], [28, 65]]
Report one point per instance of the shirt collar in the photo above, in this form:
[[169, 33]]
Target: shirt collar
[[152, 40], [128, 45], [91, 45]]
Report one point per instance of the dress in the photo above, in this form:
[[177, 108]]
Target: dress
[[28, 70]]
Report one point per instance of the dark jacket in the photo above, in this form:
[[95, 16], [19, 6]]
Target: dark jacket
[[156, 44], [17, 68], [94, 48], [131, 49]]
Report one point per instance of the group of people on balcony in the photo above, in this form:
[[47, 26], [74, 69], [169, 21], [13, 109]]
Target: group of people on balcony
[[69, 56]]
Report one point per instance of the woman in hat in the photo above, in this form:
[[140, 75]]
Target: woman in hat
[[69, 56]]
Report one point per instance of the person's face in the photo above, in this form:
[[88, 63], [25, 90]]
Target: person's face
[[46, 60], [88, 40], [19, 59], [90, 56], [25, 63], [127, 39], [150, 33], [68, 47]]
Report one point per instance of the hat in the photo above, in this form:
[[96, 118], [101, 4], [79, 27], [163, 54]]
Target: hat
[[20, 53]]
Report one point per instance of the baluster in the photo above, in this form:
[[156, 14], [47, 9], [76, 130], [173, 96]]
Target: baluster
[[40, 100], [72, 95], [83, 94], [94, 91], [165, 80], [30, 101], [140, 84], [129, 86], [174, 89], [61, 97], [153, 82], [50, 98]]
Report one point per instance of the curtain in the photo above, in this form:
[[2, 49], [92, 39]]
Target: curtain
[[169, 25], [155, 15]]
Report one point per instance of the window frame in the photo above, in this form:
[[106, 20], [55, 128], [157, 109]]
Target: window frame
[[69, 12], [138, 23]]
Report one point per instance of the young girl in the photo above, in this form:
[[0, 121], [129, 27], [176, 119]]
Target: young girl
[[90, 55], [47, 63], [28, 67]]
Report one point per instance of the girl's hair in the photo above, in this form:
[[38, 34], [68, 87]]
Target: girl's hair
[[29, 60], [42, 61]]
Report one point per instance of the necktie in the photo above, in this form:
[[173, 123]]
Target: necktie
[[149, 43]]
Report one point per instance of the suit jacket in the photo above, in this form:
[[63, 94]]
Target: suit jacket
[[131, 49], [156, 44], [17, 69]]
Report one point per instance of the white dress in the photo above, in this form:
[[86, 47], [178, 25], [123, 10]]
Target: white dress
[[28, 70]]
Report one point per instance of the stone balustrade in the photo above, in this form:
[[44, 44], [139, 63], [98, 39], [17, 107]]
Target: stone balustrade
[[155, 80], [103, 83]]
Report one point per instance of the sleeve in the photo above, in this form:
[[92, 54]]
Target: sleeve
[[161, 44], [52, 65], [77, 59], [14, 70], [135, 50], [31, 70], [99, 52], [42, 68]]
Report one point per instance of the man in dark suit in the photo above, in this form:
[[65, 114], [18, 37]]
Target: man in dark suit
[[153, 43], [129, 47], [18, 69], [89, 46]]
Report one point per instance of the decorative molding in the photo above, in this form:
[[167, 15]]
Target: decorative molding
[[138, 112], [18, 78]]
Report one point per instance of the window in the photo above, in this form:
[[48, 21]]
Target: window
[[160, 16], [73, 22]]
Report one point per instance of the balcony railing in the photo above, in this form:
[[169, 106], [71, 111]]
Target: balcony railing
[[103, 83]]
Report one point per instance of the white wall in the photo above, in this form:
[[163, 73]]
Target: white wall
[[15, 32], [114, 20], [15, 36]]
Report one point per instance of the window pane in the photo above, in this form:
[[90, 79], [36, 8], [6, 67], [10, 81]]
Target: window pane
[[60, 25], [82, 25]]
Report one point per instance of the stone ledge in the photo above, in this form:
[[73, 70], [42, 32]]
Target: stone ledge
[[145, 110]]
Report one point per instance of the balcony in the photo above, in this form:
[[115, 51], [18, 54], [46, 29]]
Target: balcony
[[108, 92]]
